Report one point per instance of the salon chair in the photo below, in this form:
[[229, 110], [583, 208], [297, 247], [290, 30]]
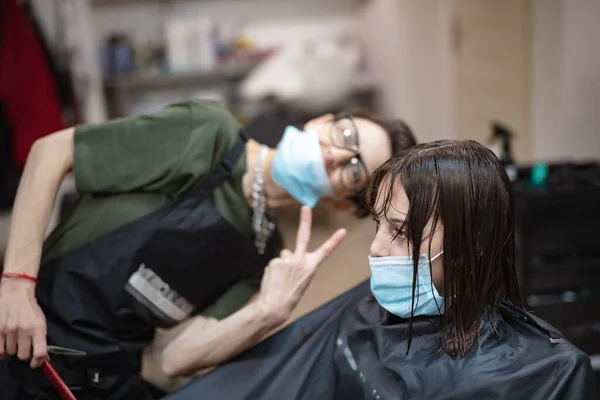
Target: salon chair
[[558, 252]]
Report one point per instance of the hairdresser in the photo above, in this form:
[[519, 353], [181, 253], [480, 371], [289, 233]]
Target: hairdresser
[[173, 229]]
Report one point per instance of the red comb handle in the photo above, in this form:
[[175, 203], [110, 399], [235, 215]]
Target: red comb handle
[[57, 382]]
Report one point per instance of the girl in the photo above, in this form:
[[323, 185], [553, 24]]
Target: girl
[[445, 319]]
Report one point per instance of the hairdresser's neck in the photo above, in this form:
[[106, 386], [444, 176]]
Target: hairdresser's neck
[[276, 196]]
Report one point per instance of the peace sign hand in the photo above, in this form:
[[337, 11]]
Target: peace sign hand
[[286, 277]]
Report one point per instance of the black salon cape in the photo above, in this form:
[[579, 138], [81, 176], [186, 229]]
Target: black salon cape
[[343, 350]]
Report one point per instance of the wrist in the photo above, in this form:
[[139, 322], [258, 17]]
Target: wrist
[[271, 318], [17, 282]]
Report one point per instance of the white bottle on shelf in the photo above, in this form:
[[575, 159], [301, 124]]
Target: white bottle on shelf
[[177, 40], [205, 58]]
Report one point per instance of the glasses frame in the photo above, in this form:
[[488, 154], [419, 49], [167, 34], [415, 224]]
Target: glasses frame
[[357, 159]]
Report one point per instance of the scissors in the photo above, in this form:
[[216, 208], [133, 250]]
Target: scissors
[[53, 376], [65, 351]]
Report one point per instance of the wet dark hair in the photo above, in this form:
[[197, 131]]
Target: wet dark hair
[[401, 137], [461, 185]]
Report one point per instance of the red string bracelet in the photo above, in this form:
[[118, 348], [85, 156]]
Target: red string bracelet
[[16, 275]]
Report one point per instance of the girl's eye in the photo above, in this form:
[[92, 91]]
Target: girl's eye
[[376, 224], [400, 235]]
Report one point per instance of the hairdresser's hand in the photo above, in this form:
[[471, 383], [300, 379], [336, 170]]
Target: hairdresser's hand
[[22, 323], [286, 278]]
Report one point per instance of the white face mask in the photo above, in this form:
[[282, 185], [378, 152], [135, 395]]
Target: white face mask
[[392, 286]]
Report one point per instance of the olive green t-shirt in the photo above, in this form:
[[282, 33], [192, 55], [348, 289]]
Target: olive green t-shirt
[[127, 168]]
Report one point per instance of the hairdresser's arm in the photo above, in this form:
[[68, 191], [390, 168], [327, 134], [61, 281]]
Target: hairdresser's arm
[[204, 343], [22, 324]]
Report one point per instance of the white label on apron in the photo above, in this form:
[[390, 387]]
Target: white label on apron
[[151, 290]]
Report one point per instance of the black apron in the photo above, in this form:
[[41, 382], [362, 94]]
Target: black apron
[[107, 297]]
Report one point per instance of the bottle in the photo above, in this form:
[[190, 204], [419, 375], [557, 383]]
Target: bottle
[[176, 45], [506, 158], [205, 57]]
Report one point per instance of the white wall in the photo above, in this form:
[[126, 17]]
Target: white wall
[[409, 48], [566, 79], [581, 85]]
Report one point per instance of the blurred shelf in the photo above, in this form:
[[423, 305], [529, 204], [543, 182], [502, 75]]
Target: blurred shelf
[[225, 73], [122, 90], [220, 74], [129, 2]]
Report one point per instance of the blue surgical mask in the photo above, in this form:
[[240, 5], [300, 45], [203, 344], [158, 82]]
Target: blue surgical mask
[[298, 167], [392, 285]]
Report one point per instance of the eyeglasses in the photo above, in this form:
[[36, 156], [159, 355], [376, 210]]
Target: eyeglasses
[[344, 135]]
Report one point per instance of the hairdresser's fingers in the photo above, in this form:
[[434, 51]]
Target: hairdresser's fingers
[[303, 236], [10, 345], [325, 250], [24, 349], [2, 341], [285, 253]]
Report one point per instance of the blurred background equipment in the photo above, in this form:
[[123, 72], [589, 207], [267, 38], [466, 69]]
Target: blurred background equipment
[[503, 136], [558, 248], [307, 65], [314, 76]]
